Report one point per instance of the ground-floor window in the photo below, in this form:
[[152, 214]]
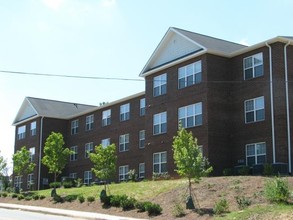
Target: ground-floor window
[[141, 170], [88, 176], [160, 162], [255, 153], [123, 173], [30, 180], [17, 182], [73, 175]]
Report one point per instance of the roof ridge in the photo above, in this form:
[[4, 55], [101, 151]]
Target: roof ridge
[[208, 36], [64, 102]]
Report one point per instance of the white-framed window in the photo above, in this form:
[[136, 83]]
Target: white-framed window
[[30, 180], [160, 162], [255, 153], [160, 123], [73, 175], [253, 66], [142, 107], [87, 177], [124, 142], [189, 75], [88, 148], [191, 115], [18, 181], [32, 151], [200, 147], [125, 112], [123, 173], [142, 139], [33, 128], [21, 132], [254, 110], [105, 142], [160, 85], [73, 156], [141, 170], [89, 122], [74, 126], [106, 117]]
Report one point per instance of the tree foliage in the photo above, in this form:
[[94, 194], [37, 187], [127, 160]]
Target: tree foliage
[[55, 154], [22, 164], [104, 159], [3, 165]]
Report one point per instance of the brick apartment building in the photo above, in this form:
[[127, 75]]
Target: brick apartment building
[[237, 101]]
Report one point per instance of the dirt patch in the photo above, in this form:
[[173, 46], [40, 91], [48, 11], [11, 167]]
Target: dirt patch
[[207, 193]]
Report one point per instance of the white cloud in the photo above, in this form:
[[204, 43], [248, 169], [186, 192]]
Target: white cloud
[[244, 42], [54, 4]]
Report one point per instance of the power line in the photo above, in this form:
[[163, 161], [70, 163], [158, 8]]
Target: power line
[[68, 76]]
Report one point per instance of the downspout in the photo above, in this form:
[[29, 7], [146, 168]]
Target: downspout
[[40, 152], [272, 104], [287, 107]]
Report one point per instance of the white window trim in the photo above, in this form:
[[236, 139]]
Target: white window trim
[[73, 157], [255, 151], [105, 142], [253, 66], [87, 177], [30, 180], [123, 172], [21, 132], [125, 112], [160, 162], [194, 73], [141, 174], [89, 122], [123, 141], [88, 148], [141, 138], [33, 128], [184, 108], [142, 107], [106, 117], [161, 120], [74, 126], [254, 109], [159, 82]]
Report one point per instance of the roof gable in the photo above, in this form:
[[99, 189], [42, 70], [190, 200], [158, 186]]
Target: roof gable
[[26, 111]]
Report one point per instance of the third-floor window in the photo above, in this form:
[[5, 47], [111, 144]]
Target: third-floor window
[[89, 122], [106, 117], [125, 112], [254, 110], [253, 66], [189, 75], [74, 127], [160, 85]]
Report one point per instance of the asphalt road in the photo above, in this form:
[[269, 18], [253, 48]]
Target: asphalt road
[[10, 214]]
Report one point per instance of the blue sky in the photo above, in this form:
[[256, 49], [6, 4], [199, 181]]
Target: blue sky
[[109, 38]]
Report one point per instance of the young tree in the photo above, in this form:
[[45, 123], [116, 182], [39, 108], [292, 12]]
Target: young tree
[[188, 158], [22, 164], [104, 159], [3, 165], [55, 155]]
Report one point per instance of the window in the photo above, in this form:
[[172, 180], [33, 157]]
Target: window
[[73, 175], [255, 153], [191, 115], [21, 132], [106, 117], [124, 142], [254, 110], [141, 170], [160, 123], [189, 75], [88, 148], [74, 127], [17, 182], [32, 151], [88, 176], [30, 181], [253, 66], [142, 107], [89, 122], [141, 139], [123, 173], [73, 156], [124, 112], [33, 128], [160, 85], [105, 142], [160, 162]]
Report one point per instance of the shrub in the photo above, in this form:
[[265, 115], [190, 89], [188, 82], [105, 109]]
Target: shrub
[[42, 197], [228, 172], [91, 199], [221, 207], [4, 195], [36, 197], [56, 184], [81, 199], [277, 190], [153, 209], [116, 200], [14, 195], [132, 175], [20, 197], [141, 206], [161, 176], [67, 185], [70, 198], [128, 204], [28, 198], [178, 210], [243, 202], [268, 169], [244, 171], [103, 196], [78, 182], [57, 199]]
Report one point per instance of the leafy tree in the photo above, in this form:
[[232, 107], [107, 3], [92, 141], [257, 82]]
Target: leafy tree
[[188, 158], [22, 164], [104, 159], [3, 165], [55, 155]]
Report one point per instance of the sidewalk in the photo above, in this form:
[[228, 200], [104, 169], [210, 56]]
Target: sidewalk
[[65, 212]]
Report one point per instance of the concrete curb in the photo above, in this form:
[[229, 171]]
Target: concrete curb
[[65, 212]]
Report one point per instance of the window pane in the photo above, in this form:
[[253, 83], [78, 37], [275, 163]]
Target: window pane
[[250, 150], [258, 70], [198, 67], [250, 161], [164, 157], [190, 110], [249, 73], [189, 80], [164, 89], [189, 70], [190, 121], [261, 148], [164, 128], [248, 62], [198, 108], [156, 158], [261, 159], [258, 59], [181, 83], [164, 168], [249, 105], [181, 113], [260, 115], [198, 120], [156, 129], [259, 103], [198, 78]]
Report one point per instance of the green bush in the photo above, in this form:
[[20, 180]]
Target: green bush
[[243, 202], [70, 198], [36, 197], [244, 171], [57, 199], [14, 195], [42, 197], [153, 209], [128, 204], [277, 190], [28, 198], [78, 182], [20, 197], [67, 185], [91, 199], [228, 172], [178, 210], [221, 207], [116, 200], [4, 195], [268, 169], [56, 184], [81, 199], [103, 196], [141, 206]]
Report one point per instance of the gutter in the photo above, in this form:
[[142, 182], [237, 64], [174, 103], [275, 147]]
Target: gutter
[[40, 152], [272, 104], [287, 107]]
